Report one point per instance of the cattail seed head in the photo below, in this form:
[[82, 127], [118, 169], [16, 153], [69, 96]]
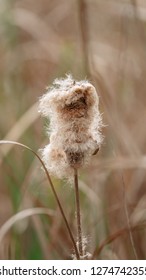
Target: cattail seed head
[[75, 122]]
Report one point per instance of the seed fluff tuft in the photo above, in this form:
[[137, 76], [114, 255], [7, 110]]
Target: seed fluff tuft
[[75, 123]]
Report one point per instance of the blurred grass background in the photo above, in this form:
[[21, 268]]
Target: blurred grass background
[[104, 41]]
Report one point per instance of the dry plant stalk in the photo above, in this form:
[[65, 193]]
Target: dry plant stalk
[[75, 122], [79, 228], [53, 190]]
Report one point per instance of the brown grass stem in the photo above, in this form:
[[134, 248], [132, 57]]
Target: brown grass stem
[[78, 213], [114, 236], [83, 18], [53, 190], [128, 220]]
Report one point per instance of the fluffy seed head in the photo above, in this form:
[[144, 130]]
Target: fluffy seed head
[[75, 123]]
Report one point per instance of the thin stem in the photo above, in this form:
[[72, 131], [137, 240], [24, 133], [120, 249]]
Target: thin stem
[[78, 213], [84, 31], [115, 236], [128, 220], [53, 189]]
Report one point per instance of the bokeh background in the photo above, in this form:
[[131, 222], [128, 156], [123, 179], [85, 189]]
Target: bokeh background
[[104, 41]]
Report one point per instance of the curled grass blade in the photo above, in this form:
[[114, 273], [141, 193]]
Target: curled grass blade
[[20, 127], [22, 215], [53, 190], [114, 236]]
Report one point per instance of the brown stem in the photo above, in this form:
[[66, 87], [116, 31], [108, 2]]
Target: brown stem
[[114, 236], [53, 190], [78, 213], [128, 220], [84, 31]]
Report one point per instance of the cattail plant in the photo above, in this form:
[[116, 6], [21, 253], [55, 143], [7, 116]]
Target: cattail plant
[[74, 132]]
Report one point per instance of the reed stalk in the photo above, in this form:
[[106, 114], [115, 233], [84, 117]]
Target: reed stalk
[[78, 213]]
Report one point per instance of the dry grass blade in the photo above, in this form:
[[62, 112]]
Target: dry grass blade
[[128, 220], [84, 33], [22, 215], [53, 189], [121, 163], [114, 236], [20, 127]]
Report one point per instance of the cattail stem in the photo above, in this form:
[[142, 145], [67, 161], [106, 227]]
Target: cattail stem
[[78, 213]]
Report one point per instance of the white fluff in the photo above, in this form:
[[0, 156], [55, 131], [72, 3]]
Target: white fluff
[[75, 123]]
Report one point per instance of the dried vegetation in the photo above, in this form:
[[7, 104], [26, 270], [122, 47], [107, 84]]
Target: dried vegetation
[[103, 41]]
